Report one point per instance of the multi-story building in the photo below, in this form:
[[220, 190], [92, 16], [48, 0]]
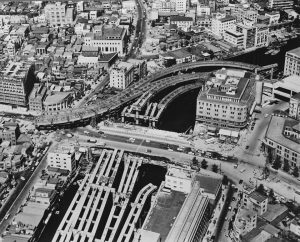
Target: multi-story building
[[62, 157], [255, 201], [282, 139], [249, 14], [235, 38], [16, 83], [180, 6], [294, 108], [179, 179], [58, 101], [281, 4], [292, 62], [220, 24], [108, 39], [121, 75], [59, 14], [10, 132], [37, 97], [181, 21], [255, 35], [273, 17], [203, 10], [244, 222], [228, 99], [140, 68]]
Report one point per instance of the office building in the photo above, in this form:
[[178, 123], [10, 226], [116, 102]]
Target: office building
[[182, 22], [281, 4], [10, 132], [292, 62], [282, 139], [294, 108], [16, 83], [227, 100], [59, 14], [62, 157], [255, 35], [220, 24], [37, 97], [235, 38], [121, 75], [108, 39]]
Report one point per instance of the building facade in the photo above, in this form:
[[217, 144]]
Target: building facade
[[109, 40], [281, 4], [233, 37], [10, 132], [182, 21], [292, 62], [59, 14], [282, 140], [37, 97], [179, 179], [121, 75], [16, 83], [294, 108], [228, 100], [220, 24], [62, 158]]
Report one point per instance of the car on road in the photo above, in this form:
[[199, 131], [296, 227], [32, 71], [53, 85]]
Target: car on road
[[6, 216]]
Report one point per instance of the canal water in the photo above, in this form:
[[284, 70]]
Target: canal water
[[181, 113]]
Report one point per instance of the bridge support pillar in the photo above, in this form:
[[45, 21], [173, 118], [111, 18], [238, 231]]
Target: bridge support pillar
[[137, 121], [123, 119], [272, 72], [255, 70], [153, 124]]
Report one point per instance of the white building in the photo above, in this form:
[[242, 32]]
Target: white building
[[202, 10], [281, 4], [295, 227], [182, 22], [59, 14], [62, 157], [233, 37], [121, 75], [90, 61], [274, 17], [129, 5], [180, 6], [292, 62], [286, 88], [255, 201], [179, 179], [219, 24], [108, 39]]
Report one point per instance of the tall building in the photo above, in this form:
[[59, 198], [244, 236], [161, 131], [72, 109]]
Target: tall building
[[227, 100], [37, 97], [108, 39], [219, 24], [180, 6], [294, 108], [282, 139], [167, 6], [255, 35], [16, 83], [292, 62], [62, 157], [10, 132], [281, 4], [121, 75], [59, 14]]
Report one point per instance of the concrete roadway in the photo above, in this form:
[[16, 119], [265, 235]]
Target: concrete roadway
[[15, 202]]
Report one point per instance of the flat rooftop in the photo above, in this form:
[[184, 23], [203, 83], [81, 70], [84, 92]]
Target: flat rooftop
[[294, 51], [164, 213], [275, 133]]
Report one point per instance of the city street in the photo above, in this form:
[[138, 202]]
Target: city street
[[14, 203]]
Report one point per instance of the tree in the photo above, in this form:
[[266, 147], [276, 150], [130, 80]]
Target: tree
[[204, 164], [215, 168], [296, 171], [277, 163], [195, 161], [286, 166], [271, 195], [261, 189]]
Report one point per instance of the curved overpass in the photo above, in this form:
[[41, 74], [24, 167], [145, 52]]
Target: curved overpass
[[82, 115]]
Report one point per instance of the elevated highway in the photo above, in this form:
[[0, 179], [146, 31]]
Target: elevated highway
[[83, 115]]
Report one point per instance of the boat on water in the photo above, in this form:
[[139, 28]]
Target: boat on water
[[269, 52]]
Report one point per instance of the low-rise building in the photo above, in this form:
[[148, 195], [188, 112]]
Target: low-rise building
[[182, 22], [57, 101], [233, 37], [37, 97], [121, 75], [179, 179], [295, 227], [245, 221], [282, 139], [179, 56], [255, 201], [286, 88], [62, 157], [227, 100]]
